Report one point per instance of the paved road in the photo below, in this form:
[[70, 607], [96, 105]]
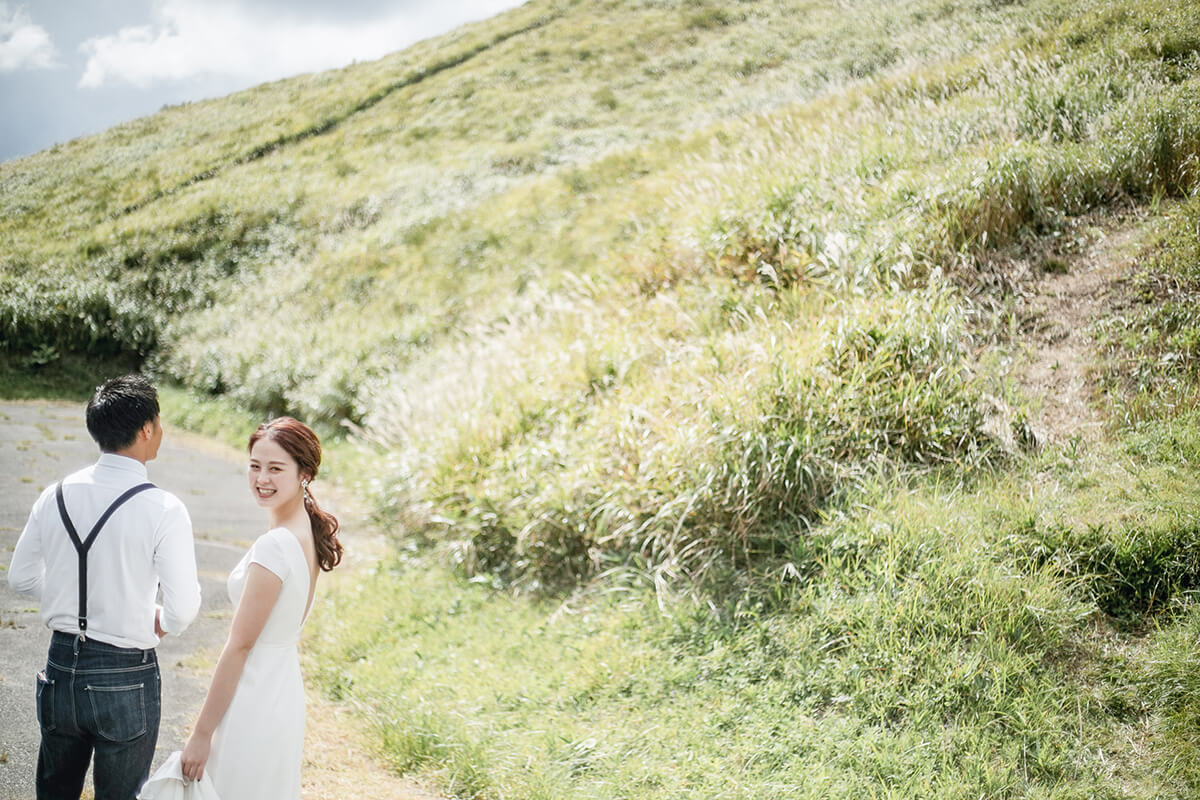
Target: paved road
[[41, 442]]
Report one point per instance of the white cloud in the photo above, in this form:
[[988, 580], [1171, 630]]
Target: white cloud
[[23, 45], [192, 38]]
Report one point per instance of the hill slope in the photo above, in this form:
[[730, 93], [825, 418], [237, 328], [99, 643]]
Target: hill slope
[[520, 249], [714, 304]]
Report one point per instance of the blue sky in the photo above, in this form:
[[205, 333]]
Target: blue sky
[[69, 68]]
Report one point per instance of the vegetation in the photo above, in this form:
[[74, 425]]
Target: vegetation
[[667, 339]]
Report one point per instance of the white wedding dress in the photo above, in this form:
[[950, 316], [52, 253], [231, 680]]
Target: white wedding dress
[[259, 743]]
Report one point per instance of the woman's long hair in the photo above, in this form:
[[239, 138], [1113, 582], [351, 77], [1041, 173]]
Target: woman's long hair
[[303, 445]]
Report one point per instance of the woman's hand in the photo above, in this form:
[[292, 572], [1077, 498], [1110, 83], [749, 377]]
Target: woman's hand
[[195, 756]]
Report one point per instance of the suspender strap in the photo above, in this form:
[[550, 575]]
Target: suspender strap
[[82, 547]]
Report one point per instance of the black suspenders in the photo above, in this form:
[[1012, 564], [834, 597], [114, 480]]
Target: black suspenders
[[82, 547]]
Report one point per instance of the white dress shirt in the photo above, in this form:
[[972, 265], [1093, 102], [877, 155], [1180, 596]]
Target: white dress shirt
[[146, 544]]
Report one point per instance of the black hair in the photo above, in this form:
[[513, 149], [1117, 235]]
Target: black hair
[[119, 409]]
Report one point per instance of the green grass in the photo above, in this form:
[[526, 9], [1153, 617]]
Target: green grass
[[1025, 636], [52, 375], [212, 417], [661, 338], [913, 655]]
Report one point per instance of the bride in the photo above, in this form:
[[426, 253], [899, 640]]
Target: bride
[[249, 736]]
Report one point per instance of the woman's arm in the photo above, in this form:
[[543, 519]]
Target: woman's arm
[[258, 598]]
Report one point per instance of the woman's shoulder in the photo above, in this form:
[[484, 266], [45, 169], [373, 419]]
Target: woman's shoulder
[[278, 539], [269, 537], [272, 550]]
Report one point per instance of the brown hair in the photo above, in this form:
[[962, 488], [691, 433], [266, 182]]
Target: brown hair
[[303, 445]]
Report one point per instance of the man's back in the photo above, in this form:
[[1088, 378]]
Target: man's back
[[99, 696], [146, 541]]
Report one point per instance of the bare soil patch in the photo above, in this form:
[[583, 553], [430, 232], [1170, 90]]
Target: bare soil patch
[[1053, 295]]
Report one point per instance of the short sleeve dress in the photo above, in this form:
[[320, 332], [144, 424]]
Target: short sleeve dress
[[258, 745]]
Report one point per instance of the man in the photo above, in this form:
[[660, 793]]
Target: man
[[95, 551]]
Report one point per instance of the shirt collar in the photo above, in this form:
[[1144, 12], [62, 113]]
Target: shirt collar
[[125, 463]]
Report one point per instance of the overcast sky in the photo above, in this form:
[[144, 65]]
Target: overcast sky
[[74, 67]]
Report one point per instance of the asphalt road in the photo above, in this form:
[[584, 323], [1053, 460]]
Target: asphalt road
[[42, 442]]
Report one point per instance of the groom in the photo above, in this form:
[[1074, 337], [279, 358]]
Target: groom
[[96, 549]]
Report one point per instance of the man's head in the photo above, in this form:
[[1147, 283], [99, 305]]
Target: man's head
[[122, 416]]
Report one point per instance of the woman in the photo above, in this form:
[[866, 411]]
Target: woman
[[249, 737]]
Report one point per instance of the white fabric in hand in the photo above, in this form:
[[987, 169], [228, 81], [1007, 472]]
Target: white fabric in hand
[[168, 783]]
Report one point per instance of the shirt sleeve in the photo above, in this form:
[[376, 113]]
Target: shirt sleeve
[[268, 551], [27, 572], [175, 563]]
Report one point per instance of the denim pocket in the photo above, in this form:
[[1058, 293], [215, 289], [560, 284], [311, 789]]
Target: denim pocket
[[119, 711], [45, 702]]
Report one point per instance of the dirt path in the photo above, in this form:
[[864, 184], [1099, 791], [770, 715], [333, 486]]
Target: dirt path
[[1058, 313], [41, 442]]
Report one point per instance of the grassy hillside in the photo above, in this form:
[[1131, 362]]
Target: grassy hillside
[[674, 341]]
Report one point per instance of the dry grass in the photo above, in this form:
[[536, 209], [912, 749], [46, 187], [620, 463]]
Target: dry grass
[[339, 761]]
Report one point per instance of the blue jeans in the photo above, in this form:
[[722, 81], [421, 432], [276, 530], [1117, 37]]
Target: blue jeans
[[101, 699]]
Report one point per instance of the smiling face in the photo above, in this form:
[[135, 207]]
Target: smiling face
[[274, 475]]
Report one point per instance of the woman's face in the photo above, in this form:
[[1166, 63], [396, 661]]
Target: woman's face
[[274, 475]]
